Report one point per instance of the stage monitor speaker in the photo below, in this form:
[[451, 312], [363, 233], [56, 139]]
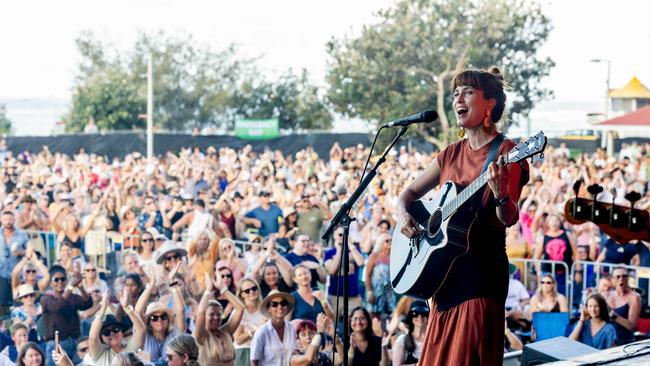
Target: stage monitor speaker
[[555, 349]]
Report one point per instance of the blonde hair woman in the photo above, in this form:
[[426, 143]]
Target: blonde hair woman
[[183, 351], [216, 340], [250, 294]]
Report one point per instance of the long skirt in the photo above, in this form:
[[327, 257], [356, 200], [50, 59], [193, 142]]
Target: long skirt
[[471, 333]]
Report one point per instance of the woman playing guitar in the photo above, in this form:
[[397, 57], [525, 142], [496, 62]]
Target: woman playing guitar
[[466, 325]]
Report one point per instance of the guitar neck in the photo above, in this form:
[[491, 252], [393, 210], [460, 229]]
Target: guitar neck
[[467, 193]]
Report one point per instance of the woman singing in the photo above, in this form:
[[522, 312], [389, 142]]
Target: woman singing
[[466, 324]]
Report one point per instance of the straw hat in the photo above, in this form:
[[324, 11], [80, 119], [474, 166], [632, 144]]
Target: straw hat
[[169, 246], [156, 307], [24, 290], [274, 294]]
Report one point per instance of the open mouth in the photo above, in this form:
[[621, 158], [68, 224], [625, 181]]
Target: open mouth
[[460, 111]]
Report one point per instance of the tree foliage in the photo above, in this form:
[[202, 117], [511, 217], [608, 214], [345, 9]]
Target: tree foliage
[[194, 86], [404, 63], [6, 127]]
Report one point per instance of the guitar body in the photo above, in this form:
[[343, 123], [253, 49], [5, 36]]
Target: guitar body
[[419, 266]]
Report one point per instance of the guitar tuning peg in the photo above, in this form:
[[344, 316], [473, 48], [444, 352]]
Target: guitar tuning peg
[[633, 197], [576, 186], [594, 190]]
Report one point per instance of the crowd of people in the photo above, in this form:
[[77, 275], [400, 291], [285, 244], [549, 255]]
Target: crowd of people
[[215, 257]]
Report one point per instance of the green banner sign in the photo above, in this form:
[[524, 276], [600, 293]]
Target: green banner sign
[[257, 129]]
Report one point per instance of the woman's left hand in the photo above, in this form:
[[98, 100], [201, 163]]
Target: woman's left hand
[[498, 177]]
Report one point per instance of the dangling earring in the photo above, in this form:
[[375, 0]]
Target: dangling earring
[[461, 133], [486, 121]]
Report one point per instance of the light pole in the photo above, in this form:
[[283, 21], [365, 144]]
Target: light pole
[[608, 137]]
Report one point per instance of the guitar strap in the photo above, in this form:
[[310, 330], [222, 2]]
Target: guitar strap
[[492, 153], [491, 156]]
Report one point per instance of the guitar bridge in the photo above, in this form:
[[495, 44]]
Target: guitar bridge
[[413, 242]]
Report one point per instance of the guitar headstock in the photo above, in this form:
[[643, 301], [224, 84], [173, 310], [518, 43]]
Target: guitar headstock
[[531, 148]]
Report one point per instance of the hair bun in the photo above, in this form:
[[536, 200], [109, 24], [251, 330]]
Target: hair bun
[[495, 70]]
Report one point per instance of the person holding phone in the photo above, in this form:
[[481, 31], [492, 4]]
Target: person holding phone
[[61, 311]]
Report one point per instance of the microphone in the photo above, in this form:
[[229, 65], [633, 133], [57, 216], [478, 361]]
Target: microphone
[[422, 117]]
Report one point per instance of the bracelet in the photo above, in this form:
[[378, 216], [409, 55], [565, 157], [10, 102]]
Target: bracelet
[[223, 290], [148, 287], [249, 333], [173, 283], [128, 309]]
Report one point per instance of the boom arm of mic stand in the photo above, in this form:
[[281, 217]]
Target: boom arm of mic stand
[[345, 208]]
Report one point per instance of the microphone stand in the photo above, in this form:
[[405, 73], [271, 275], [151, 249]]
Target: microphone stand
[[343, 218]]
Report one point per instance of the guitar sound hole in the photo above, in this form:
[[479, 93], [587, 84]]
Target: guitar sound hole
[[434, 224]]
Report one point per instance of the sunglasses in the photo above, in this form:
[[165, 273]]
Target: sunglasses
[[108, 332], [161, 317], [249, 290], [29, 295], [340, 235], [417, 315], [621, 276], [91, 269], [59, 279], [275, 304], [170, 357], [547, 283], [174, 257], [147, 240], [30, 271], [224, 276]]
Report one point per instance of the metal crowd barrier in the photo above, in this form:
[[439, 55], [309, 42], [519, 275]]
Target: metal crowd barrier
[[532, 270], [599, 269]]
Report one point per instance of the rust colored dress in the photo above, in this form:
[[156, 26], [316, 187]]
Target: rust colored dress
[[466, 324]]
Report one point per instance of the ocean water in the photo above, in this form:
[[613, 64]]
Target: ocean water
[[42, 116]]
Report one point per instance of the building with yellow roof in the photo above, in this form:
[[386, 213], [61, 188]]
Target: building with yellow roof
[[634, 95]]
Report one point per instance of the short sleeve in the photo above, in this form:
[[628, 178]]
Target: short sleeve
[[257, 346]]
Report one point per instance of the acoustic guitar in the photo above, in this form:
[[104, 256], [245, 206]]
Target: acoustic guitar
[[419, 265]]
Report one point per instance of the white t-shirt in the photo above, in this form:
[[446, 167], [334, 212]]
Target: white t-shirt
[[268, 349], [516, 293], [249, 319]]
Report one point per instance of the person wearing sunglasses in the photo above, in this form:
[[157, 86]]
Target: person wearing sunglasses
[[29, 310], [163, 323], [547, 299], [214, 337], [27, 271], [61, 308], [91, 278], [105, 339], [274, 342], [626, 306], [408, 345], [183, 351], [249, 293], [147, 248]]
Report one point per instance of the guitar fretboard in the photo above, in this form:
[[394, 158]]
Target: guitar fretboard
[[455, 203]]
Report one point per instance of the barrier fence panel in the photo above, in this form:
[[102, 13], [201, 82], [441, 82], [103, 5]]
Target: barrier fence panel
[[533, 267], [43, 242], [591, 272]]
